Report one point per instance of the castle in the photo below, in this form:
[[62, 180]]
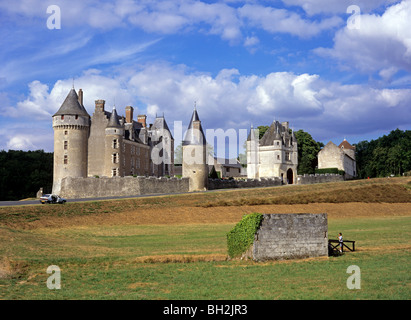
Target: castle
[[108, 145], [275, 155], [110, 155]]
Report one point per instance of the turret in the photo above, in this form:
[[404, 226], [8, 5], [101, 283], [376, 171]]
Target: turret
[[113, 157], [195, 155], [252, 154], [71, 125]]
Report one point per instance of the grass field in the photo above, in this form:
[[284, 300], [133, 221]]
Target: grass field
[[174, 247]]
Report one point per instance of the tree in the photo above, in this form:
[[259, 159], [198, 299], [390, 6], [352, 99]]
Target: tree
[[389, 154], [308, 150], [23, 173]]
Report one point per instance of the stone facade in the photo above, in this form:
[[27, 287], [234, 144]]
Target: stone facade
[[108, 145], [275, 155], [341, 157], [291, 236]]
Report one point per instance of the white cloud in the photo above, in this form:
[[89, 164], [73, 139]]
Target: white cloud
[[313, 7], [382, 43], [231, 100], [280, 20]]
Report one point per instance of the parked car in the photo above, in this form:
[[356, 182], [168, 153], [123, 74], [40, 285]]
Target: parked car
[[52, 198]]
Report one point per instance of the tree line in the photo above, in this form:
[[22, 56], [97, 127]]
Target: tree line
[[385, 156], [23, 173]]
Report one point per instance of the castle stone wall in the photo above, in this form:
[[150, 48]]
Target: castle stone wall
[[246, 183], [79, 188], [319, 178], [291, 236]]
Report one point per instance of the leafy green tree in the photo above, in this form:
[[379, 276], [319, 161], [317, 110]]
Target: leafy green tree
[[23, 173], [308, 150], [387, 155]]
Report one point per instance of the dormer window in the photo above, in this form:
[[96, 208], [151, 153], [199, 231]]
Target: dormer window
[[62, 117], [76, 116]]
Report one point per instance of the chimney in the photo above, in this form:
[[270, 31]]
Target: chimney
[[129, 114], [142, 119], [80, 97], [100, 105]]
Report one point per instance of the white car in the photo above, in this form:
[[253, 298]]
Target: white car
[[52, 198]]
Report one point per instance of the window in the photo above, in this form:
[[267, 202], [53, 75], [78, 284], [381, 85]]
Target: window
[[115, 144], [287, 156], [115, 157], [114, 172], [65, 161], [65, 145], [62, 117], [278, 157], [65, 132], [76, 116]]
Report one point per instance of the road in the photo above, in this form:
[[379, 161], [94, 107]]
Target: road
[[33, 202]]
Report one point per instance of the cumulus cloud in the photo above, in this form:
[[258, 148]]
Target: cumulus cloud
[[231, 100], [381, 43], [275, 20]]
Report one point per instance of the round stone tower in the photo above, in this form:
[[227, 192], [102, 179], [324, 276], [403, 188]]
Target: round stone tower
[[195, 155], [113, 158], [71, 124]]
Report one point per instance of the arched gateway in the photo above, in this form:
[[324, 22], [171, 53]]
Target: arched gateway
[[290, 176]]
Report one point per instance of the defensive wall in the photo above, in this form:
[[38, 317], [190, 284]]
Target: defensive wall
[[128, 186], [120, 186], [291, 236], [319, 178], [242, 183]]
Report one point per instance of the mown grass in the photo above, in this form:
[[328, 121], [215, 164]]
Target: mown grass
[[188, 262]]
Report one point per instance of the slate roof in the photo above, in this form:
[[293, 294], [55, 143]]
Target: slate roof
[[161, 124], [114, 121], [274, 132], [190, 138], [71, 106]]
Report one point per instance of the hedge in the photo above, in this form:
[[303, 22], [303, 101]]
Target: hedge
[[330, 170]]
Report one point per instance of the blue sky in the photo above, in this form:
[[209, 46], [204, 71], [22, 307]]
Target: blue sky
[[243, 62]]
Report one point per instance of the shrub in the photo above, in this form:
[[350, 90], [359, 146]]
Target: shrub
[[330, 170], [241, 237]]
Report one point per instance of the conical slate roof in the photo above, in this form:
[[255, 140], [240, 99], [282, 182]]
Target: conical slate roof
[[114, 122], [190, 137], [71, 106]]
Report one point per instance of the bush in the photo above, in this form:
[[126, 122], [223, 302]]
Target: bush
[[241, 237], [330, 170]]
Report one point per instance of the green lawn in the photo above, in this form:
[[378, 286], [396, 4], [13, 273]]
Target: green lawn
[[101, 262]]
